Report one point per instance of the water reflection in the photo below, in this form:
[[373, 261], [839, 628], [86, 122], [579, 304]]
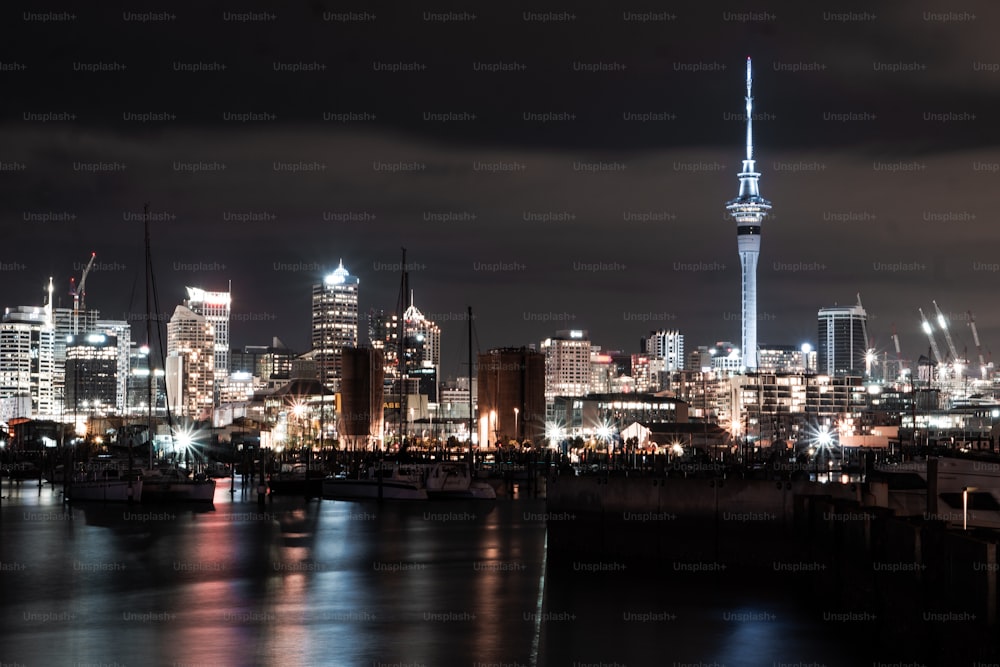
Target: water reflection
[[332, 582]]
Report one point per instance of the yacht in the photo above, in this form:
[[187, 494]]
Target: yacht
[[107, 484], [177, 485], [452, 479], [296, 479], [394, 481]]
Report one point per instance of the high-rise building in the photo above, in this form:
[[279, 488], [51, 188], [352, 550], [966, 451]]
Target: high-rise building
[[334, 322], [749, 210], [122, 332], [92, 373], [422, 351], [63, 321], [567, 364], [268, 362], [665, 345], [843, 340], [190, 367], [216, 307], [27, 342]]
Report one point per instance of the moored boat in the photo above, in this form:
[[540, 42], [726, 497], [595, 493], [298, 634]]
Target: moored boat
[[452, 479], [390, 482], [177, 485], [296, 479], [110, 489]]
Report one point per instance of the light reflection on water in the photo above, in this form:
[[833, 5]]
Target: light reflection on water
[[332, 583]]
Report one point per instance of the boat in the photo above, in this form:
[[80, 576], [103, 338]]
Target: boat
[[175, 484], [296, 479], [393, 481], [968, 489], [451, 480], [106, 484]]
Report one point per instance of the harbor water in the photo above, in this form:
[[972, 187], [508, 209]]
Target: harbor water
[[356, 583]]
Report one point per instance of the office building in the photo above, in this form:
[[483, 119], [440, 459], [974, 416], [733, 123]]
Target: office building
[[334, 322], [842, 339]]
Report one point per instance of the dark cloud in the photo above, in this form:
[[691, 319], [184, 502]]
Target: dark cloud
[[882, 181]]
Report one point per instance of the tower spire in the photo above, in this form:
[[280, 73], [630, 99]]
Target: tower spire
[[749, 111], [749, 210]]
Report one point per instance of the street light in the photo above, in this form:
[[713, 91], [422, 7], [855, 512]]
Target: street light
[[965, 505], [516, 433]]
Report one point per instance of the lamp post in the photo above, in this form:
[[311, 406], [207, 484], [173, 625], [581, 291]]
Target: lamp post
[[965, 505], [516, 432]]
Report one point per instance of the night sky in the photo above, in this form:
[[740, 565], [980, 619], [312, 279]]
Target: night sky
[[877, 141]]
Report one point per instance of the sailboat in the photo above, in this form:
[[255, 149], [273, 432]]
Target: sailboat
[[106, 483], [167, 483]]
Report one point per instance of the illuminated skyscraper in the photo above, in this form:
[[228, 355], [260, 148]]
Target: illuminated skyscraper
[[26, 363], [567, 364], [749, 209], [190, 367], [216, 308], [92, 374], [843, 339], [422, 350], [334, 322]]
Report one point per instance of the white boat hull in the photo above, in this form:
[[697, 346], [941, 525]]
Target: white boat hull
[[451, 480], [109, 491]]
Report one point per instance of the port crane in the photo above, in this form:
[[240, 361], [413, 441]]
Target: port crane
[[979, 347], [943, 323], [929, 330], [79, 293]]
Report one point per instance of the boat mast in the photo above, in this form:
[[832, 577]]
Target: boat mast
[[400, 348], [472, 461], [149, 340]]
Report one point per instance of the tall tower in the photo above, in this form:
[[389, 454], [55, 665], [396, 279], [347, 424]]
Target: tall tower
[[749, 210], [334, 322]]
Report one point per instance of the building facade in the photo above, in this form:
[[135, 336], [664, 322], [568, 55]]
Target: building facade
[[334, 322], [843, 340], [511, 396], [27, 363], [567, 364], [92, 374], [216, 307], [190, 364]]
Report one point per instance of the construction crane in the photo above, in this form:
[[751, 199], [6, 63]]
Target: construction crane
[[943, 323], [979, 347], [869, 350], [79, 293], [899, 357], [930, 335]]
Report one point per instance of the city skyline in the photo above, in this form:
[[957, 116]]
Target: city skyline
[[882, 160]]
